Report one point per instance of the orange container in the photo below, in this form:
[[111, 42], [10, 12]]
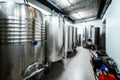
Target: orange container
[[101, 76], [106, 77], [109, 77]]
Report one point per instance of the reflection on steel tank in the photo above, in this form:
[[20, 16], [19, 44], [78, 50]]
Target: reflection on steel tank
[[21, 44], [74, 36], [55, 38]]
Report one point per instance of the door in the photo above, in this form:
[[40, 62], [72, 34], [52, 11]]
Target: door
[[103, 36]]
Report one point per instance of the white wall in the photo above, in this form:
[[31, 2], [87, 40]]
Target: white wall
[[81, 26], [112, 17]]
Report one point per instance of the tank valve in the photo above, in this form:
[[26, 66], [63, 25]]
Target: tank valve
[[34, 43]]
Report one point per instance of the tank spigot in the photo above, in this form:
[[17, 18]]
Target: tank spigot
[[34, 43]]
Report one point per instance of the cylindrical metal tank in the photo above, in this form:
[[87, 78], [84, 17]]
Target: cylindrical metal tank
[[70, 39], [79, 40], [74, 37], [55, 42], [21, 45], [66, 25]]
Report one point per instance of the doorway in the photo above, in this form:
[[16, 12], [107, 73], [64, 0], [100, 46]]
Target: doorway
[[103, 36]]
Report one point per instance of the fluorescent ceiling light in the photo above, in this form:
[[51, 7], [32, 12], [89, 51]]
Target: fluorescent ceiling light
[[59, 3], [83, 14], [65, 3], [76, 16], [40, 9], [18, 1], [73, 1], [87, 13]]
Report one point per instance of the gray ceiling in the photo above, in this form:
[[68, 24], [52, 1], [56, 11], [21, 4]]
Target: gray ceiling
[[78, 9]]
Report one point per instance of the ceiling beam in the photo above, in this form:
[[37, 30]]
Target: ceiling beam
[[103, 7], [88, 20]]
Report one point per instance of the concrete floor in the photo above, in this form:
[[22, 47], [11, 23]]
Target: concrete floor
[[75, 68]]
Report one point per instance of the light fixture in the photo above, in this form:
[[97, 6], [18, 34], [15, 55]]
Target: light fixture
[[76, 16], [40, 9]]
